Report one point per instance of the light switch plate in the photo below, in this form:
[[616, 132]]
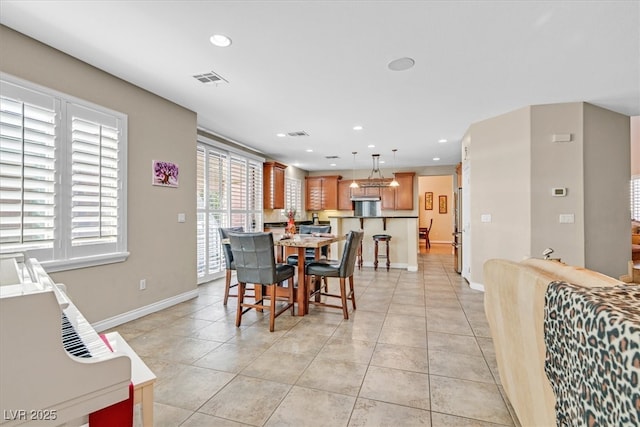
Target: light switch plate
[[567, 219], [182, 217], [485, 218]]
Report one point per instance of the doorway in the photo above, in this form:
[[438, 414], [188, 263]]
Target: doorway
[[436, 208]]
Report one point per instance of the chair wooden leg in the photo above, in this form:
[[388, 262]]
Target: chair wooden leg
[[240, 301], [227, 285], [272, 308], [343, 297], [352, 292], [388, 260], [291, 297], [258, 296]]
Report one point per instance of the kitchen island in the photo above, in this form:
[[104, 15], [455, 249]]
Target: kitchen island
[[403, 230]]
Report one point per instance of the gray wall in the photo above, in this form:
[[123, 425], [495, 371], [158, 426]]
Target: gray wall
[[162, 250], [515, 165]]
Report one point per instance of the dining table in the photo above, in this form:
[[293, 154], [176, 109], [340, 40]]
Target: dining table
[[302, 242]]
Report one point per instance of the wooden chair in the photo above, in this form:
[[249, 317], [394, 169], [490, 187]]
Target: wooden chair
[[423, 233], [310, 253], [228, 259], [343, 270], [254, 258]]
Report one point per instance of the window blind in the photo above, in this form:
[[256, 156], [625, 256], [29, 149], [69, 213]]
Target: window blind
[[293, 194], [62, 164], [635, 198], [27, 170], [94, 177], [229, 194]]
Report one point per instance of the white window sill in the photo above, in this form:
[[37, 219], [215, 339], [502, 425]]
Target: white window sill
[[84, 262]]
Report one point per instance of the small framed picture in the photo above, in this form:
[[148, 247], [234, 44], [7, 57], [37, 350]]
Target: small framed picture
[[165, 174], [428, 201], [442, 204]]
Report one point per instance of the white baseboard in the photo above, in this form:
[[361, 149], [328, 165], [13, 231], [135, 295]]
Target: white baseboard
[[114, 321], [476, 286]]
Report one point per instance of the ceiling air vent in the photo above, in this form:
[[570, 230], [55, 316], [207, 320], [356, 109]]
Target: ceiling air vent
[[209, 78], [298, 133], [331, 157]]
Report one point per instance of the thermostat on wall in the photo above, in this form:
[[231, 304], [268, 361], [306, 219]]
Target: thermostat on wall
[[559, 191]]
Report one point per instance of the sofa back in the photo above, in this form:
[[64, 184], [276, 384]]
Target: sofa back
[[514, 305]]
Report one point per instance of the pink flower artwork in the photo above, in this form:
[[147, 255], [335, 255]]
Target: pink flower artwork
[[165, 174]]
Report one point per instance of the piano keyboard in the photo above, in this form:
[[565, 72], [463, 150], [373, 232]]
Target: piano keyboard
[[78, 336]]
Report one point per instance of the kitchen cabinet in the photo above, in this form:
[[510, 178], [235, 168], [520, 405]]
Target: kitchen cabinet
[[273, 177], [404, 192], [344, 195], [391, 198], [321, 192]]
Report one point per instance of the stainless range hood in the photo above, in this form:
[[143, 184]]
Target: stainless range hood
[[365, 198]]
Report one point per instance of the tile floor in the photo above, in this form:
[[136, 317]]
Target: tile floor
[[417, 351]]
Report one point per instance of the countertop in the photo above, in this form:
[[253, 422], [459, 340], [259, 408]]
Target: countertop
[[374, 217], [284, 223]]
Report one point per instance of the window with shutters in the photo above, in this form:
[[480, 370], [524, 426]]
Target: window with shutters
[[229, 194], [293, 195], [62, 167], [635, 198]]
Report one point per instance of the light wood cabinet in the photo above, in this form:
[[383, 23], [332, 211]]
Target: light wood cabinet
[[321, 192], [404, 192], [273, 177], [344, 196]]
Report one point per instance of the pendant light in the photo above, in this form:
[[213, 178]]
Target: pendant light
[[354, 184], [394, 183]]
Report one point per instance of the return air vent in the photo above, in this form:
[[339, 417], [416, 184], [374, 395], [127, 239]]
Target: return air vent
[[209, 78], [298, 133], [331, 157]]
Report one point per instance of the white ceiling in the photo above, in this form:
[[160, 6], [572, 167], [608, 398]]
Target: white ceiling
[[321, 66]]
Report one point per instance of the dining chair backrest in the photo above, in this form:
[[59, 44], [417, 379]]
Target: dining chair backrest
[[348, 261], [254, 258], [310, 229], [228, 255]]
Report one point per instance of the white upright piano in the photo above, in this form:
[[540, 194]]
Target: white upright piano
[[54, 368]]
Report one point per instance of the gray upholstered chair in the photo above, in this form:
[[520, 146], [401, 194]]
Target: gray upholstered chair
[[255, 263], [310, 253], [228, 259], [343, 270]]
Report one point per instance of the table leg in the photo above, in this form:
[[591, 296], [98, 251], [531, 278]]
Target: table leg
[[302, 288]]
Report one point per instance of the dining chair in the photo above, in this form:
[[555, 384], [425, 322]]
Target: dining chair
[[228, 259], [254, 258], [344, 270], [423, 233], [310, 253]]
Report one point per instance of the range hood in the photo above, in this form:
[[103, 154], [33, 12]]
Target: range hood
[[372, 198]]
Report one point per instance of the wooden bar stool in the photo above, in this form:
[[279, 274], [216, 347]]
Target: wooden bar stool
[[381, 238]]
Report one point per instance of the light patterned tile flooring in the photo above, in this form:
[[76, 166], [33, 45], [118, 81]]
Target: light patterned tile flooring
[[417, 351]]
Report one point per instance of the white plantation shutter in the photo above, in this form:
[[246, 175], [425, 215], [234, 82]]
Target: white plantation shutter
[[27, 170], [62, 162], [229, 194], [94, 177], [635, 198], [293, 194]]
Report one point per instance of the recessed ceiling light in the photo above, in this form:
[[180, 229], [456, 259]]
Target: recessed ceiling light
[[281, 135], [357, 127], [442, 141], [371, 146], [381, 161], [332, 164], [401, 64], [309, 150], [436, 158], [220, 40]]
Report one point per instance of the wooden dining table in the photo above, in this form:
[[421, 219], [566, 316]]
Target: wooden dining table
[[302, 242]]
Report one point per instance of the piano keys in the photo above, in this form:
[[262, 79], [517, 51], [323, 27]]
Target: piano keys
[[51, 359]]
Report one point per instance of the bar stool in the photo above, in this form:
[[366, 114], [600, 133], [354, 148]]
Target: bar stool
[[381, 238]]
